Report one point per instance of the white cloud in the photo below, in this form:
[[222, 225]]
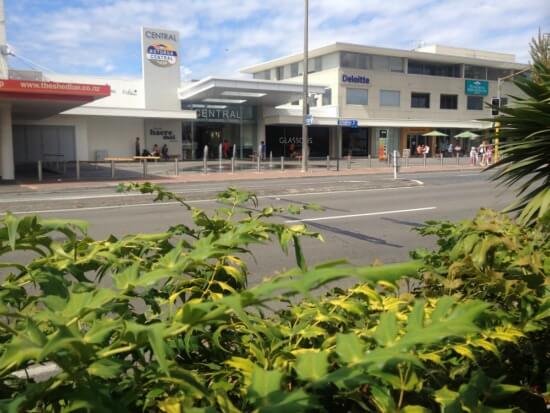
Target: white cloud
[[221, 36]]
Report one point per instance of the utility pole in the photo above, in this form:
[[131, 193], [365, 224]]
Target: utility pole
[[305, 98], [3, 44]]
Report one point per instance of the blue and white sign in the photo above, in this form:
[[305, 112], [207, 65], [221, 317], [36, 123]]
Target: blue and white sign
[[476, 87], [355, 79], [348, 123], [309, 120]]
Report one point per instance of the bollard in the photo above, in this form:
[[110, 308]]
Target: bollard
[[458, 158], [205, 159], [407, 162], [349, 161], [394, 164], [112, 169], [424, 160], [233, 164], [337, 164], [282, 163], [77, 166], [328, 163], [39, 171], [220, 156], [370, 161], [176, 167], [270, 159], [234, 151], [145, 168], [258, 161], [441, 158]]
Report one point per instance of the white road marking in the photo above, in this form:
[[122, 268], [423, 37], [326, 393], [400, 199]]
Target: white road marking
[[196, 201], [417, 181], [368, 214]]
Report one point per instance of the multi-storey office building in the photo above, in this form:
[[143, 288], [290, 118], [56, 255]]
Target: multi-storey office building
[[394, 96]]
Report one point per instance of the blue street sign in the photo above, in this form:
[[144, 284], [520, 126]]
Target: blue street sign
[[309, 120], [348, 123]]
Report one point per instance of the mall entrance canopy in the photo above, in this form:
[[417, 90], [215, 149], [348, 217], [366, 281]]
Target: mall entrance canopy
[[32, 100]]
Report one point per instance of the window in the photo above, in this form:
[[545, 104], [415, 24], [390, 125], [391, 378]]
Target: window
[[503, 102], [381, 63], [475, 72], [354, 60], [420, 100], [390, 98], [279, 73], [315, 65], [417, 67], [265, 75], [327, 97], [495, 74], [357, 96], [294, 69], [475, 103], [448, 102], [397, 64]]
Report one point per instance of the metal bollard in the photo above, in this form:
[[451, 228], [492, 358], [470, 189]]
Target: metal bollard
[[112, 169], [282, 163], [370, 161], [39, 171], [394, 164], [424, 160], [328, 163], [407, 162], [349, 161], [234, 151], [270, 159], [337, 164], [176, 167], [258, 161], [458, 158], [441, 158], [145, 168], [77, 166], [233, 164], [205, 159], [220, 156]]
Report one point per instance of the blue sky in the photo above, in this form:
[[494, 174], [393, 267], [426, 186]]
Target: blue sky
[[218, 37]]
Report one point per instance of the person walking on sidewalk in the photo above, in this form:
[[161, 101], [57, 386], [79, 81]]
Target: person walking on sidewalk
[[473, 156], [138, 147]]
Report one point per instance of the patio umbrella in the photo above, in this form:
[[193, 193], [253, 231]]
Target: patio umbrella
[[467, 135], [435, 133]]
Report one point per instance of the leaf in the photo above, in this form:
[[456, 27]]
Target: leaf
[[11, 223], [105, 368], [156, 339], [387, 330], [415, 409], [264, 383], [312, 365], [349, 348]]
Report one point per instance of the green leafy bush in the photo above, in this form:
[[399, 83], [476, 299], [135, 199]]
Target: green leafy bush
[[166, 323]]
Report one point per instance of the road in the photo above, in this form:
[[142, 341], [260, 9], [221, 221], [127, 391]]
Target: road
[[365, 218]]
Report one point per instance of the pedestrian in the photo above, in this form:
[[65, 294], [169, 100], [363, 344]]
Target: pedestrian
[[483, 153], [263, 150], [426, 150], [489, 151], [164, 152], [155, 151], [138, 147], [450, 150], [473, 156], [225, 149], [420, 150], [458, 149]]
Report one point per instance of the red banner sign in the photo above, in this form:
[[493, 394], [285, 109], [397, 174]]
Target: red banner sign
[[27, 87]]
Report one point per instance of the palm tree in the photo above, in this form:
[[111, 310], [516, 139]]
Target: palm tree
[[526, 154]]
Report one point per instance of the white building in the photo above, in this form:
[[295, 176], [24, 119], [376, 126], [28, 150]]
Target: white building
[[364, 101]]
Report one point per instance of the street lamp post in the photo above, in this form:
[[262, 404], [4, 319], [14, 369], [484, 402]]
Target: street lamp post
[[305, 98]]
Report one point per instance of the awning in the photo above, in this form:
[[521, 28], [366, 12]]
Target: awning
[[132, 113], [31, 99], [243, 91]]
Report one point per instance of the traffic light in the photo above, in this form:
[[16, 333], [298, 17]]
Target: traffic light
[[495, 105]]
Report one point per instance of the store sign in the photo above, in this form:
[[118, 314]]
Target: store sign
[[296, 140], [162, 55], [355, 79], [219, 114], [476, 87], [167, 135], [348, 123], [53, 88], [155, 35]]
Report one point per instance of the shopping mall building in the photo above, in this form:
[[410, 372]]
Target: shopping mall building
[[362, 99]]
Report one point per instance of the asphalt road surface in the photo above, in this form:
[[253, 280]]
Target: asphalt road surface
[[365, 218]]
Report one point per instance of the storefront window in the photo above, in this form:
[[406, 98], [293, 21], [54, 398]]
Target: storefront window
[[355, 141]]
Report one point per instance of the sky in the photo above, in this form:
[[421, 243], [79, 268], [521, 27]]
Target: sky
[[219, 37]]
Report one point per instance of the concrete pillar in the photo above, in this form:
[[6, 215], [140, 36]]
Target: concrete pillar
[[7, 167], [339, 141]]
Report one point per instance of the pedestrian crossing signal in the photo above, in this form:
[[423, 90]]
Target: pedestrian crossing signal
[[495, 106]]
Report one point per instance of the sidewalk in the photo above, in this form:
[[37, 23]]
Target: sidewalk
[[224, 176]]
